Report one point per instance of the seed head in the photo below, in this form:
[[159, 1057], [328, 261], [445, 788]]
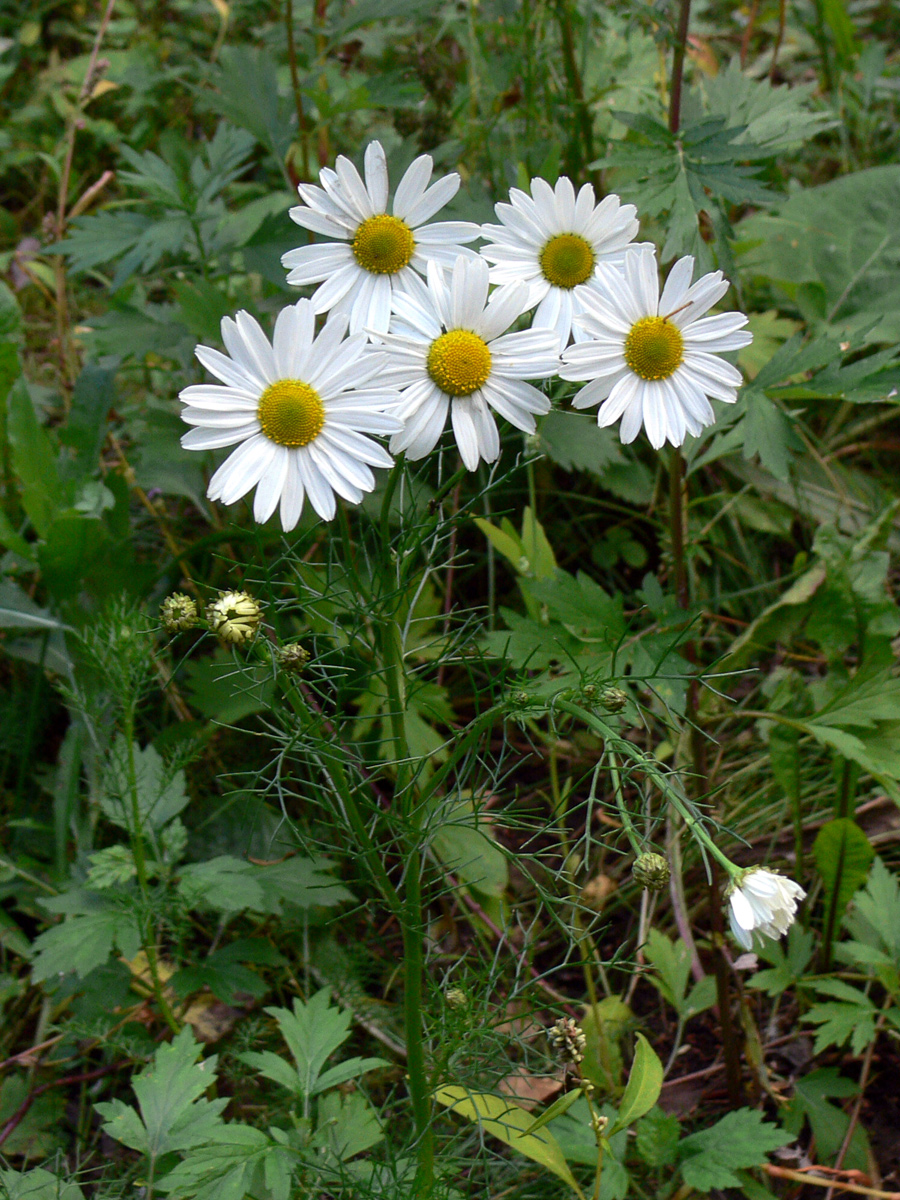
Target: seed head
[[292, 658], [568, 1040], [234, 618], [651, 871], [178, 613], [456, 999]]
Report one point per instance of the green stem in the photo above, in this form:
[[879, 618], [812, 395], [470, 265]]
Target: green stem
[[627, 823], [140, 863], [414, 962], [347, 801]]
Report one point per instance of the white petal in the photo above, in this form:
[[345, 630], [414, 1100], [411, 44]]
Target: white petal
[[676, 286], [292, 495], [433, 200], [504, 307], [270, 487], [354, 192], [334, 290], [226, 370], [215, 439], [321, 497], [413, 184], [465, 432], [258, 346], [242, 470], [376, 176]]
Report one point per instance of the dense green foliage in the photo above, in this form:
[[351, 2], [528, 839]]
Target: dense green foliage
[[278, 923]]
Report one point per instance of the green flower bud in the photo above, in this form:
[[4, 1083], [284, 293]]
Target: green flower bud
[[651, 871], [568, 1040]]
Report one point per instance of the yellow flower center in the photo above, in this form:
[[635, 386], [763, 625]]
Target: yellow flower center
[[567, 260], [654, 348], [459, 362], [291, 413], [383, 245]]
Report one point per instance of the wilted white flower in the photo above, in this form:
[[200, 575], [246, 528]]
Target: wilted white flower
[[652, 359], [376, 252], [762, 902], [448, 350], [555, 241], [300, 409]]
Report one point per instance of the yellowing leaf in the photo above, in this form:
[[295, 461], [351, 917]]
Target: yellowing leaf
[[101, 87], [508, 1122]]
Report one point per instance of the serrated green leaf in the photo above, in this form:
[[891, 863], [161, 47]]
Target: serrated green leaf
[[657, 1135], [172, 1114], [223, 883], [33, 459], [740, 1140], [160, 792]]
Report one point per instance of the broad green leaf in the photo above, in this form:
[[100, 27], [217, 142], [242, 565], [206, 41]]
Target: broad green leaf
[[643, 1087], [33, 459], [843, 856], [829, 1122], [605, 1025], [37, 1184], [19, 611], [657, 1135], [843, 236], [223, 883], [466, 848], [560, 1105], [509, 1123], [347, 1125]]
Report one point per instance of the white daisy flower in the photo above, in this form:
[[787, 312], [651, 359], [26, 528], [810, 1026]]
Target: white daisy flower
[[449, 352], [555, 241], [377, 252], [761, 901], [299, 409], [651, 358]]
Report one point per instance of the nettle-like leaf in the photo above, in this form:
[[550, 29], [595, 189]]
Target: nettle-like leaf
[[773, 119], [672, 961], [160, 792], [183, 214], [678, 173], [37, 1184], [171, 1114], [238, 1161], [742, 1139], [95, 924], [874, 920], [313, 1032], [850, 1017], [230, 884]]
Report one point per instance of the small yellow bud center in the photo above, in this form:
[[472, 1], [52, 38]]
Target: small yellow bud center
[[291, 413], [567, 260], [459, 362], [383, 245], [654, 348]]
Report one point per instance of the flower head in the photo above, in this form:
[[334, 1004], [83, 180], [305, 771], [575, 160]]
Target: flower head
[[377, 252], [299, 408], [292, 658], [555, 241], [651, 871], [761, 901], [178, 613], [652, 359], [448, 351], [234, 617], [568, 1040]]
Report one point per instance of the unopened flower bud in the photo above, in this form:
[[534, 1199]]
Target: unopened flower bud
[[520, 699], [178, 613], [456, 999], [612, 699], [292, 658], [599, 1124], [568, 1040], [234, 618], [651, 871]]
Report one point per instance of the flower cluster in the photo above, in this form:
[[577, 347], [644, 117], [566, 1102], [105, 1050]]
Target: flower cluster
[[415, 335]]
